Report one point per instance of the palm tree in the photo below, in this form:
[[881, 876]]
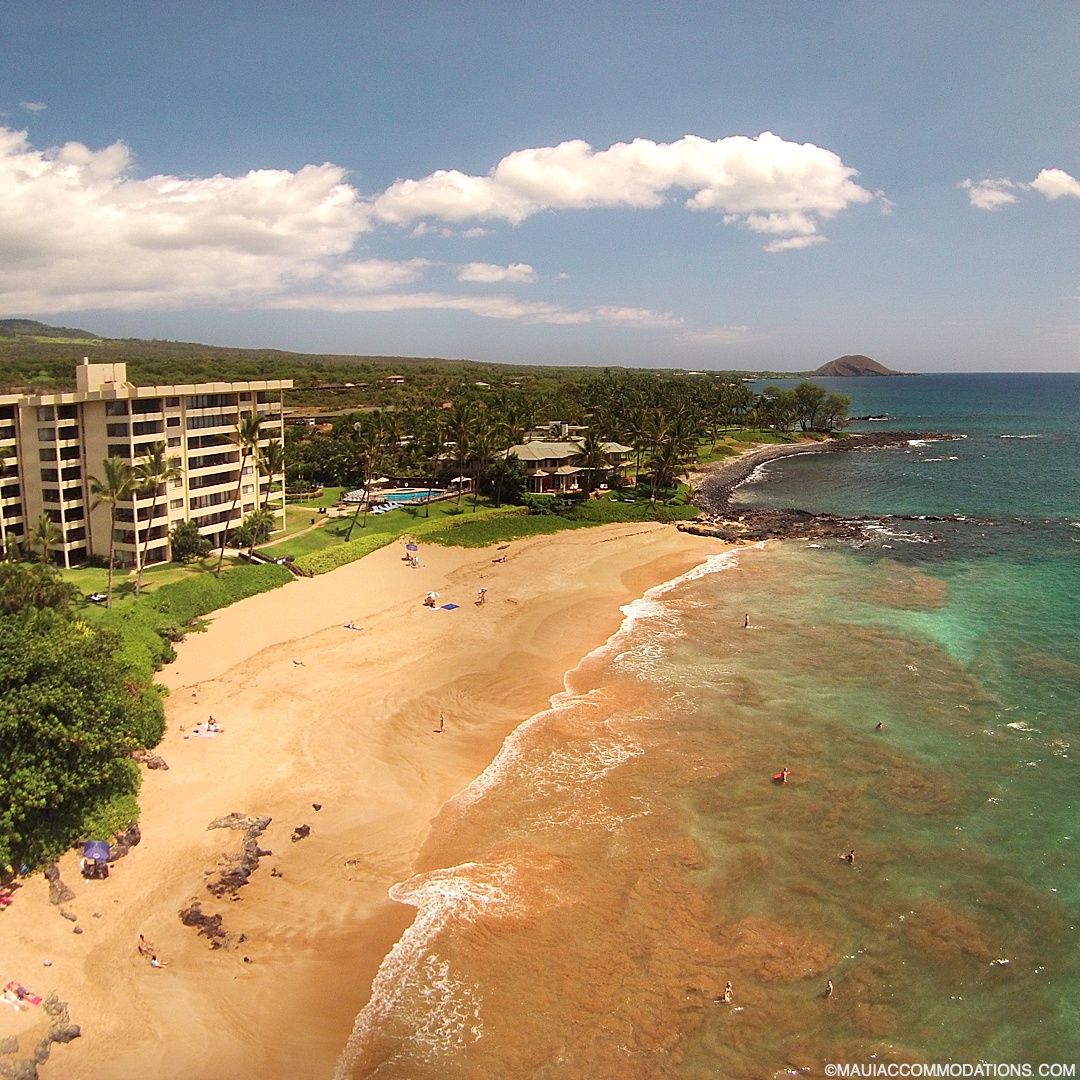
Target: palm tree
[[515, 423], [271, 460], [369, 459], [432, 446], [482, 443], [246, 437], [592, 455], [153, 473], [114, 489], [46, 535], [459, 429]]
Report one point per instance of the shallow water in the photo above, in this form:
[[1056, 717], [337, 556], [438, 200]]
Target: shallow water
[[581, 906]]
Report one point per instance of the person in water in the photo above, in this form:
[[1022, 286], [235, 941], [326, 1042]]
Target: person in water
[[728, 993], [850, 857], [828, 989], [880, 726]]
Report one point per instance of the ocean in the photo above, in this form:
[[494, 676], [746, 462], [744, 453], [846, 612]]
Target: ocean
[[581, 907]]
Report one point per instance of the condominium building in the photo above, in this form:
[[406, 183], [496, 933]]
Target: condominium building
[[51, 444]]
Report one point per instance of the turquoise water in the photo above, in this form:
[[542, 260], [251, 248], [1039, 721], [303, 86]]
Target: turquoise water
[[581, 907], [408, 495]]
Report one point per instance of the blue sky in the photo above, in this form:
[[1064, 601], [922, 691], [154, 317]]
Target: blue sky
[[566, 183]]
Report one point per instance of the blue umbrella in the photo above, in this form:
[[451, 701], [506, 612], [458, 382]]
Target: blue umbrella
[[411, 547], [97, 850]]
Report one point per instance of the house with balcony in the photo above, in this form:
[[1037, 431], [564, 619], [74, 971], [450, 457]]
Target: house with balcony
[[557, 465]]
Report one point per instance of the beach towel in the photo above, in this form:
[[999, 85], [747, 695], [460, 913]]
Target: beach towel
[[21, 993], [450, 607]]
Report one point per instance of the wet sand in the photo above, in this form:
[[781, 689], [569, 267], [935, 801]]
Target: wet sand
[[313, 713]]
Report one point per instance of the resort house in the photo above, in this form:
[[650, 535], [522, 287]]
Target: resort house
[[556, 465], [52, 443]]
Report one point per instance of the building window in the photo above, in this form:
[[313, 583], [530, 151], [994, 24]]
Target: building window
[[46, 434], [67, 412], [72, 472], [71, 432], [47, 453], [50, 495], [50, 476], [247, 489], [245, 397], [147, 427], [120, 450], [213, 420], [117, 431], [248, 470], [74, 513], [175, 440], [76, 534], [116, 408], [176, 481], [173, 421], [45, 413], [176, 504], [68, 452], [146, 405], [211, 401]]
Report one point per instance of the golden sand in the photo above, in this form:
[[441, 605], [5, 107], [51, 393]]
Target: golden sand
[[313, 713]]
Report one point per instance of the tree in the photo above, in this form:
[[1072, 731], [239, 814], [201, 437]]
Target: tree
[[593, 457], [834, 413], [254, 529], [70, 714], [45, 535], [188, 543], [113, 489], [246, 437], [153, 473], [809, 400], [30, 587]]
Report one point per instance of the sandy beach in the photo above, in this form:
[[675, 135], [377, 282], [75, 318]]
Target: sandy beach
[[312, 714]]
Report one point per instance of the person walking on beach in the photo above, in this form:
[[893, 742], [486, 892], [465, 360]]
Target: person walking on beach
[[481, 598], [442, 724], [828, 989], [746, 621]]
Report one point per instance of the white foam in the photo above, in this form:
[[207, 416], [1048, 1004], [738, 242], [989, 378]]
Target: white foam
[[414, 984]]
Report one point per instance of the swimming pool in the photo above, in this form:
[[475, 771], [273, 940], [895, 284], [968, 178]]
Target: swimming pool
[[408, 495]]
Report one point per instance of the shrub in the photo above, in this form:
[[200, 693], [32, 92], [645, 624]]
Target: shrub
[[322, 562], [542, 504], [188, 543]]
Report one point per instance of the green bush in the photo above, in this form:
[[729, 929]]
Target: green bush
[[542, 504], [322, 562]]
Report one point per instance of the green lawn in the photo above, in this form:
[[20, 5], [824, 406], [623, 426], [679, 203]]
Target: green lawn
[[395, 523]]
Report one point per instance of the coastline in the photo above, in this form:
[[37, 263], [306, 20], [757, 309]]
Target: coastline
[[315, 714]]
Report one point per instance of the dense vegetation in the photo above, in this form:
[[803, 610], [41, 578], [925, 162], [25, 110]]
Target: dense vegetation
[[76, 699], [71, 712]]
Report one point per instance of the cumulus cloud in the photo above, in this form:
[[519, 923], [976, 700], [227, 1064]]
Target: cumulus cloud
[[1055, 183], [766, 184], [998, 192], [33, 106], [489, 273], [77, 231], [372, 274], [990, 194]]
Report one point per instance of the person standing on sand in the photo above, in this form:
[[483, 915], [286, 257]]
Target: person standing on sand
[[442, 724], [728, 993], [481, 598], [828, 989], [746, 621]]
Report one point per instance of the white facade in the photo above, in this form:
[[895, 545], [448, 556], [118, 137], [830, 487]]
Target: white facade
[[51, 444]]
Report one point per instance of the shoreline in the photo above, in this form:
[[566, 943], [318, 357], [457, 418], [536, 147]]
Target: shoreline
[[315, 715], [722, 520]]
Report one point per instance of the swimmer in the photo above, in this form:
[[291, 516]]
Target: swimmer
[[850, 857], [880, 726]]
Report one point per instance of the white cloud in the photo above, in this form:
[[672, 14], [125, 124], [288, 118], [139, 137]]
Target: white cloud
[[794, 243], [372, 274], [77, 231], [751, 181], [1054, 183], [33, 106], [489, 274], [488, 307], [991, 194], [719, 335]]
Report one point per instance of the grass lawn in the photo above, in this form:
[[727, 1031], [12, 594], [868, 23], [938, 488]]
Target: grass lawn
[[93, 579], [334, 530], [331, 496]]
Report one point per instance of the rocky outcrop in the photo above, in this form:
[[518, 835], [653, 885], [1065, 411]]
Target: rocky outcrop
[[59, 893], [208, 926], [233, 871], [151, 761], [123, 842], [61, 1031]]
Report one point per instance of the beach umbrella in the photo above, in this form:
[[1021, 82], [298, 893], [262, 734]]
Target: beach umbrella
[[97, 850], [411, 547]]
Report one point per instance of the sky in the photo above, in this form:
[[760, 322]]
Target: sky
[[743, 186]]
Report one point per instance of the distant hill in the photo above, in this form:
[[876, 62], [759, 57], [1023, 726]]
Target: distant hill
[[31, 328], [856, 364]]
